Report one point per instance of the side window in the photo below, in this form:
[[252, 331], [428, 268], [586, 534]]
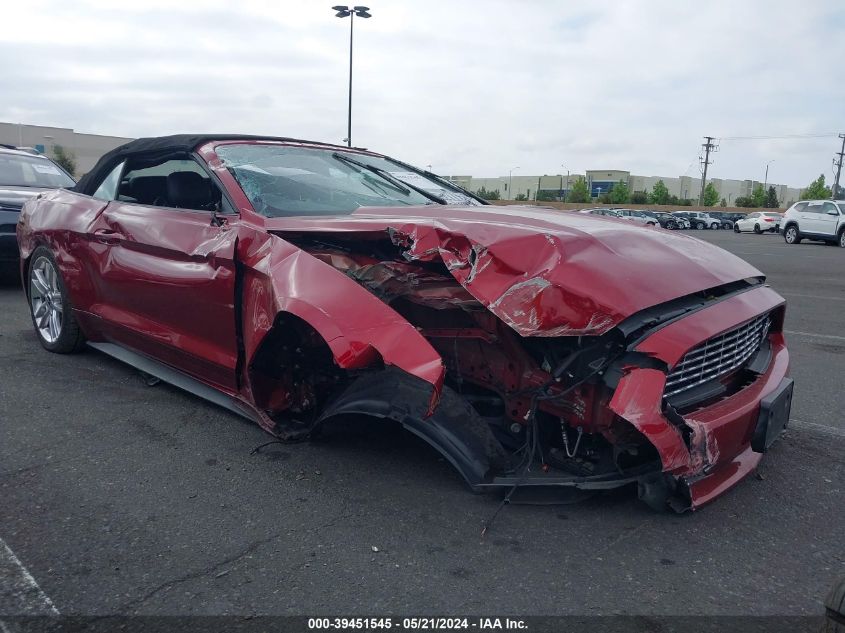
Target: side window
[[813, 207], [800, 206], [752, 215], [108, 188], [829, 206], [176, 183]]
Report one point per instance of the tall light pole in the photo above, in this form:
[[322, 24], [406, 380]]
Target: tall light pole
[[766, 181], [567, 179], [343, 12], [510, 180]]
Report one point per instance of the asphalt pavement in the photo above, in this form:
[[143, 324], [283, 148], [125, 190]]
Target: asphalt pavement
[[121, 498]]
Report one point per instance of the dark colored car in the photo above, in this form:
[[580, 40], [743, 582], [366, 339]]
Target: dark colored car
[[667, 220], [23, 175], [296, 282], [726, 219]]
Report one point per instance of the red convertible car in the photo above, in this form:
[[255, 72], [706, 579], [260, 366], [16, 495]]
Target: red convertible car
[[294, 282]]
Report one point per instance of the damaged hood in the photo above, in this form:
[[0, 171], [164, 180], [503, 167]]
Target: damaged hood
[[544, 272]]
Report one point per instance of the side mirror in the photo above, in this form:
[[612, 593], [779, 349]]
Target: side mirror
[[833, 212]]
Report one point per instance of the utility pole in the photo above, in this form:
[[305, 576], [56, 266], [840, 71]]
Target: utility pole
[[708, 146], [838, 164]]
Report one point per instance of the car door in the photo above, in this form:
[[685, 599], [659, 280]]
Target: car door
[[827, 220], [810, 221], [747, 223], [167, 278]]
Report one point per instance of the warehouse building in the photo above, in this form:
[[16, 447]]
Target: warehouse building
[[601, 181], [86, 148]]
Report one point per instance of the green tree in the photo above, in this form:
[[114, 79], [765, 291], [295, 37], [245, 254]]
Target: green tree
[[816, 190], [771, 199], [639, 197], [742, 201], [488, 195], [65, 158], [579, 191], [605, 198], [711, 196], [723, 203], [659, 194], [544, 195], [521, 197], [758, 196], [620, 193]]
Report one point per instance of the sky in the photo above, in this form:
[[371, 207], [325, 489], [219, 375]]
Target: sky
[[469, 87]]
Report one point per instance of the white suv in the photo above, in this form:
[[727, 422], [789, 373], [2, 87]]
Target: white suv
[[815, 220]]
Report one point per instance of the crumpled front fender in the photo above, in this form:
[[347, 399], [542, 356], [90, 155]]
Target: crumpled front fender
[[359, 329]]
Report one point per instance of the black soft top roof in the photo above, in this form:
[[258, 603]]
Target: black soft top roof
[[166, 145]]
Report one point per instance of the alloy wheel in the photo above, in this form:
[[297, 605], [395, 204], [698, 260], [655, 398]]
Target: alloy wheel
[[790, 235], [842, 239], [45, 299]]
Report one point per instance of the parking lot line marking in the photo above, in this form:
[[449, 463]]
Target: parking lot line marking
[[757, 254], [812, 335], [823, 428], [19, 593], [795, 294]]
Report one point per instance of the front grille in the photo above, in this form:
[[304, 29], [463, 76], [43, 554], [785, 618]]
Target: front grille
[[717, 356]]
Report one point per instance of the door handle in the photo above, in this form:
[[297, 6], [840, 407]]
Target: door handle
[[107, 236]]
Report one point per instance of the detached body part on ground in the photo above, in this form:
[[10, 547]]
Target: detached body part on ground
[[296, 283]]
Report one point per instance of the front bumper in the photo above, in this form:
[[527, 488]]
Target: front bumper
[[708, 451]]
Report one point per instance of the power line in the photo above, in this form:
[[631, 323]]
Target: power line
[[708, 147], [783, 136]]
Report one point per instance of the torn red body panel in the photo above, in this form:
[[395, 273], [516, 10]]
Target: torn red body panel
[[359, 329], [530, 347]]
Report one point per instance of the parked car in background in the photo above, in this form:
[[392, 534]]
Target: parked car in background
[[638, 216], [726, 220], [822, 220], [600, 211], [23, 175], [759, 222], [669, 221], [295, 283], [699, 219]]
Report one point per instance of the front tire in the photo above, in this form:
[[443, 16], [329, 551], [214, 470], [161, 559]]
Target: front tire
[[842, 238], [736, 228], [700, 226], [757, 229], [49, 306], [671, 225], [791, 235]]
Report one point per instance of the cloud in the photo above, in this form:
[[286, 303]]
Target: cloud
[[471, 87]]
